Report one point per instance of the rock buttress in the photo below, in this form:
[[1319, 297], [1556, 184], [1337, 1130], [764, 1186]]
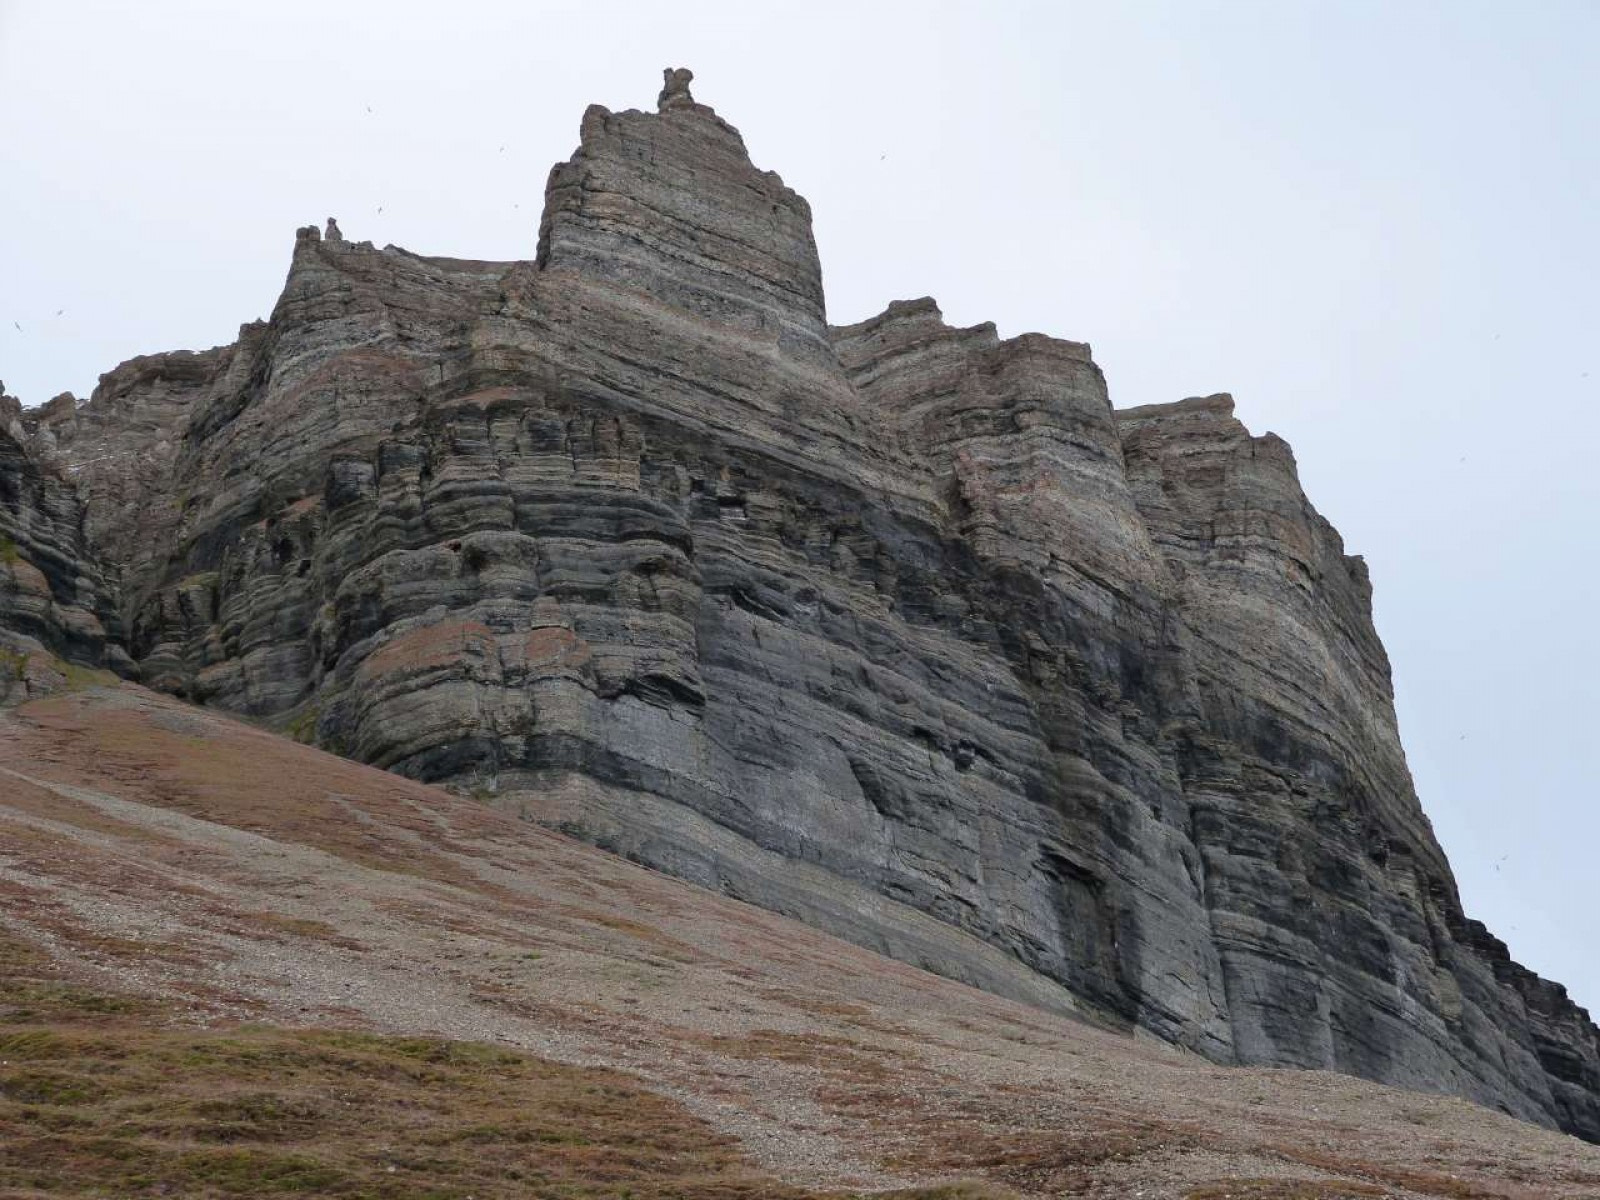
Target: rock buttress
[[894, 627]]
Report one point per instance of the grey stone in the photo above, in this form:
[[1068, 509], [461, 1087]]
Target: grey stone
[[898, 628], [55, 600]]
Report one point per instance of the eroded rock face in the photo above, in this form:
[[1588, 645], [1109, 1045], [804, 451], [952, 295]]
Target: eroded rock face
[[54, 597], [895, 627]]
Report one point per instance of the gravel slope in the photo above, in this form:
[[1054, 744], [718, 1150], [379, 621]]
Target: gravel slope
[[171, 851]]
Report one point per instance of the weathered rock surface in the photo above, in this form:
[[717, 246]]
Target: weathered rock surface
[[54, 599], [895, 627]]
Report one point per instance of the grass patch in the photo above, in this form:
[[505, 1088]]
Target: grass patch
[[839, 1058], [1426, 1183], [80, 678], [1065, 1162], [108, 1095], [13, 664], [277, 927], [303, 726], [14, 667]]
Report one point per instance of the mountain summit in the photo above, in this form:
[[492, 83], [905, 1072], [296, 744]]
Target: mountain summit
[[896, 628]]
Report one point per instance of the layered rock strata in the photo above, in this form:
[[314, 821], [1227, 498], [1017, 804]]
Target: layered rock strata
[[55, 600], [895, 627]]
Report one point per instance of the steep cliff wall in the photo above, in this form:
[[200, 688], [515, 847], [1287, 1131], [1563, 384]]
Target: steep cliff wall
[[895, 627], [55, 599]]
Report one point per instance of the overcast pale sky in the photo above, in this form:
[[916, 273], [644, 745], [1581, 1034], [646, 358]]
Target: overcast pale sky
[[1374, 223]]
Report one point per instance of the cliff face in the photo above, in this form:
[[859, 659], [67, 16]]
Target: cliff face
[[896, 627], [54, 596]]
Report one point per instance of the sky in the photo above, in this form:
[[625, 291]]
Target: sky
[[1373, 223]]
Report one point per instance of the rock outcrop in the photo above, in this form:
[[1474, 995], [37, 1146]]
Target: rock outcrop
[[895, 627], [54, 597]]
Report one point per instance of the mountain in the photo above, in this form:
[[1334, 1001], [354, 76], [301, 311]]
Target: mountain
[[895, 628]]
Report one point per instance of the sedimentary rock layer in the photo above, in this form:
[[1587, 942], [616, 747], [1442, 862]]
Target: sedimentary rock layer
[[896, 627], [54, 599]]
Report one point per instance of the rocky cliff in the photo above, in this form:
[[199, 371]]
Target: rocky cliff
[[54, 596], [895, 627]]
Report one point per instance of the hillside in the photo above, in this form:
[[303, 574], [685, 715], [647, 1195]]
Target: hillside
[[513, 1014]]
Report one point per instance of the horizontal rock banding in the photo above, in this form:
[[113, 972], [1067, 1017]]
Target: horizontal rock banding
[[895, 627]]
